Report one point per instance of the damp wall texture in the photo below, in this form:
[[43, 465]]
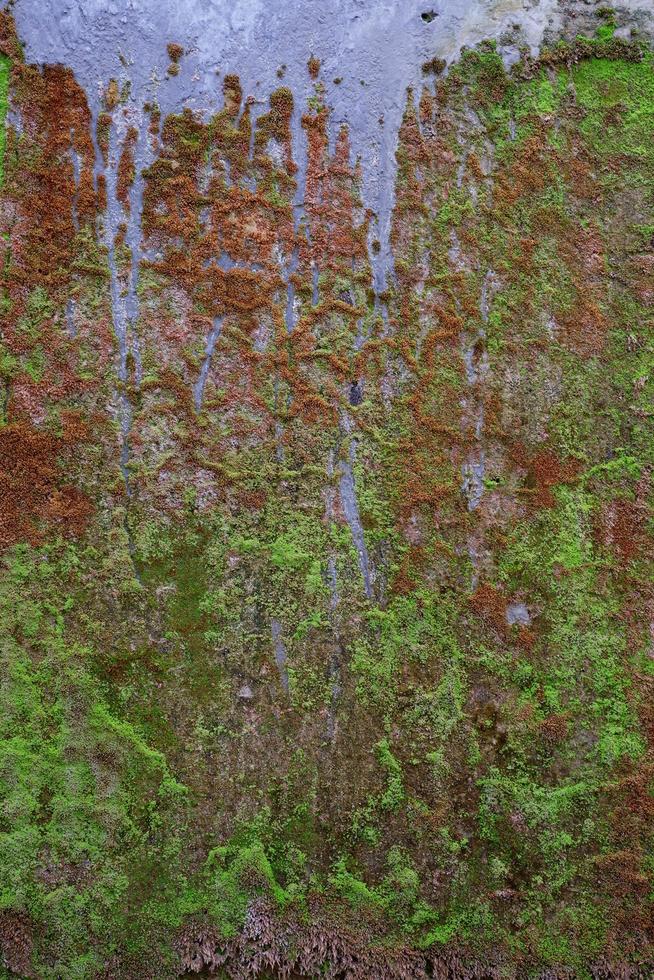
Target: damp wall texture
[[326, 462]]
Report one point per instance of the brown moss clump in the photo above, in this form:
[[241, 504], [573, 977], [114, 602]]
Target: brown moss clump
[[34, 496], [554, 728], [175, 51], [435, 66], [111, 95], [233, 94], [16, 943], [313, 65], [622, 528], [276, 123], [544, 471], [56, 121], [10, 44], [103, 128], [490, 604], [571, 53]]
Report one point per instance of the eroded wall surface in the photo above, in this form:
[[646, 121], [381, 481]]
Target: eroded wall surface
[[326, 489]]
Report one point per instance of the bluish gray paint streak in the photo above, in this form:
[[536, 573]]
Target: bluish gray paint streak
[[315, 294], [198, 387], [350, 507], [289, 316], [119, 303], [517, 613], [473, 480], [280, 652], [476, 369]]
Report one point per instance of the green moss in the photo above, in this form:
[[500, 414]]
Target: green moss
[[353, 889], [393, 795], [601, 84], [239, 872], [34, 365]]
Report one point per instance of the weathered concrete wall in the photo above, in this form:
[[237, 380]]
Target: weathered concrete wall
[[326, 490]]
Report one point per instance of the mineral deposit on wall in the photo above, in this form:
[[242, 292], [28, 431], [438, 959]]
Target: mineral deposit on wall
[[326, 489]]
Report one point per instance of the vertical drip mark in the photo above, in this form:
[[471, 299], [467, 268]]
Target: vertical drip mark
[[334, 677], [473, 480], [300, 156], [298, 153], [198, 387], [454, 252], [119, 308], [484, 302], [290, 291], [336, 658], [128, 305], [350, 507], [253, 133], [279, 444], [379, 265], [461, 169], [120, 328], [280, 653], [476, 367], [124, 301], [380, 253], [315, 276], [142, 157], [332, 583], [204, 184], [70, 303], [361, 337], [279, 428], [5, 66]]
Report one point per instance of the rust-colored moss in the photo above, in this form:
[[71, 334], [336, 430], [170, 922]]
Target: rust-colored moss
[[34, 495], [175, 51], [126, 169], [313, 66]]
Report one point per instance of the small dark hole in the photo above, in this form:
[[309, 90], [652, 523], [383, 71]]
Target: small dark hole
[[356, 396], [428, 16]]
